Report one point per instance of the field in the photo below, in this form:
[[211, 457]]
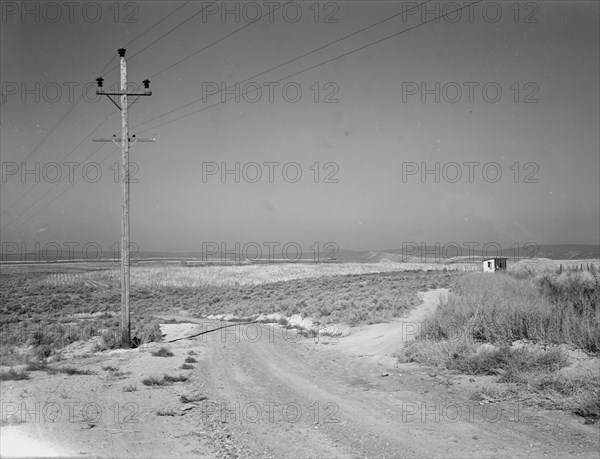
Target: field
[[511, 342], [46, 307]]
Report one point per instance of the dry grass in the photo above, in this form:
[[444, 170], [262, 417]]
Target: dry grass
[[500, 309], [52, 370], [39, 319], [475, 331], [13, 375], [551, 391], [164, 381], [182, 276]]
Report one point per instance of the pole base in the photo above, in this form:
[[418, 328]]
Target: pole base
[[125, 341]]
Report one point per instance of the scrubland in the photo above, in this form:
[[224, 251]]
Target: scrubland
[[525, 327], [44, 311]]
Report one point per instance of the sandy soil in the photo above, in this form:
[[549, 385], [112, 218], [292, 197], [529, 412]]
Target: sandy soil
[[265, 391]]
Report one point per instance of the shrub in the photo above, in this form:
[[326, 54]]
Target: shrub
[[192, 399], [178, 378], [40, 352], [74, 371], [147, 330], [507, 360], [153, 381], [13, 375], [162, 352], [130, 388], [37, 366]]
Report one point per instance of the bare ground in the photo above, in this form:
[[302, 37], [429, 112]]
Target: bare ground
[[265, 391]]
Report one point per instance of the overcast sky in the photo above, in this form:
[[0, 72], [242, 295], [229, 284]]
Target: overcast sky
[[363, 128]]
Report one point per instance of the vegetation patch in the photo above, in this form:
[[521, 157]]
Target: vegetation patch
[[52, 370], [507, 360], [164, 381], [13, 375], [500, 309], [109, 368], [178, 378], [154, 381], [162, 352], [191, 398], [482, 326], [73, 371], [39, 318], [38, 366]]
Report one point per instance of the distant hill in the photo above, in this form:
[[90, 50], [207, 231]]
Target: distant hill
[[411, 254], [432, 253]]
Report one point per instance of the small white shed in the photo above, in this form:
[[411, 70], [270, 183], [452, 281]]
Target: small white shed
[[494, 264]]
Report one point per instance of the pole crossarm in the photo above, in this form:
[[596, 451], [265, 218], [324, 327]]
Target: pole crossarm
[[99, 92], [117, 140]]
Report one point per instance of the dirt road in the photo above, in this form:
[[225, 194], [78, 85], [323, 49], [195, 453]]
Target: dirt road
[[272, 393], [328, 398]]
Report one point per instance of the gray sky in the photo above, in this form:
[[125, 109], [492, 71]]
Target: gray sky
[[371, 140]]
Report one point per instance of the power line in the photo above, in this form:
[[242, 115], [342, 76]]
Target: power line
[[291, 60], [169, 31], [220, 39], [291, 75], [75, 103], [165, 69], [50, 132], [304, 70], [155, 24], [301, 71], [62, 160], [64, 191], [58, 123], [40, 198]]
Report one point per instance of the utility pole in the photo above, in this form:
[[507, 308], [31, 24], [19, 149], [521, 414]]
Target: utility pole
[[125, 144]]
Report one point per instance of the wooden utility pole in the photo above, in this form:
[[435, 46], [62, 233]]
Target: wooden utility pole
[[125, 144]]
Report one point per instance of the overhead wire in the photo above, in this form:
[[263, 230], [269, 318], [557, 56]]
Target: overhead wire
[[74, 105], [66, 189], [403, 12], [63, 159], [146, 47], [287, 76]]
